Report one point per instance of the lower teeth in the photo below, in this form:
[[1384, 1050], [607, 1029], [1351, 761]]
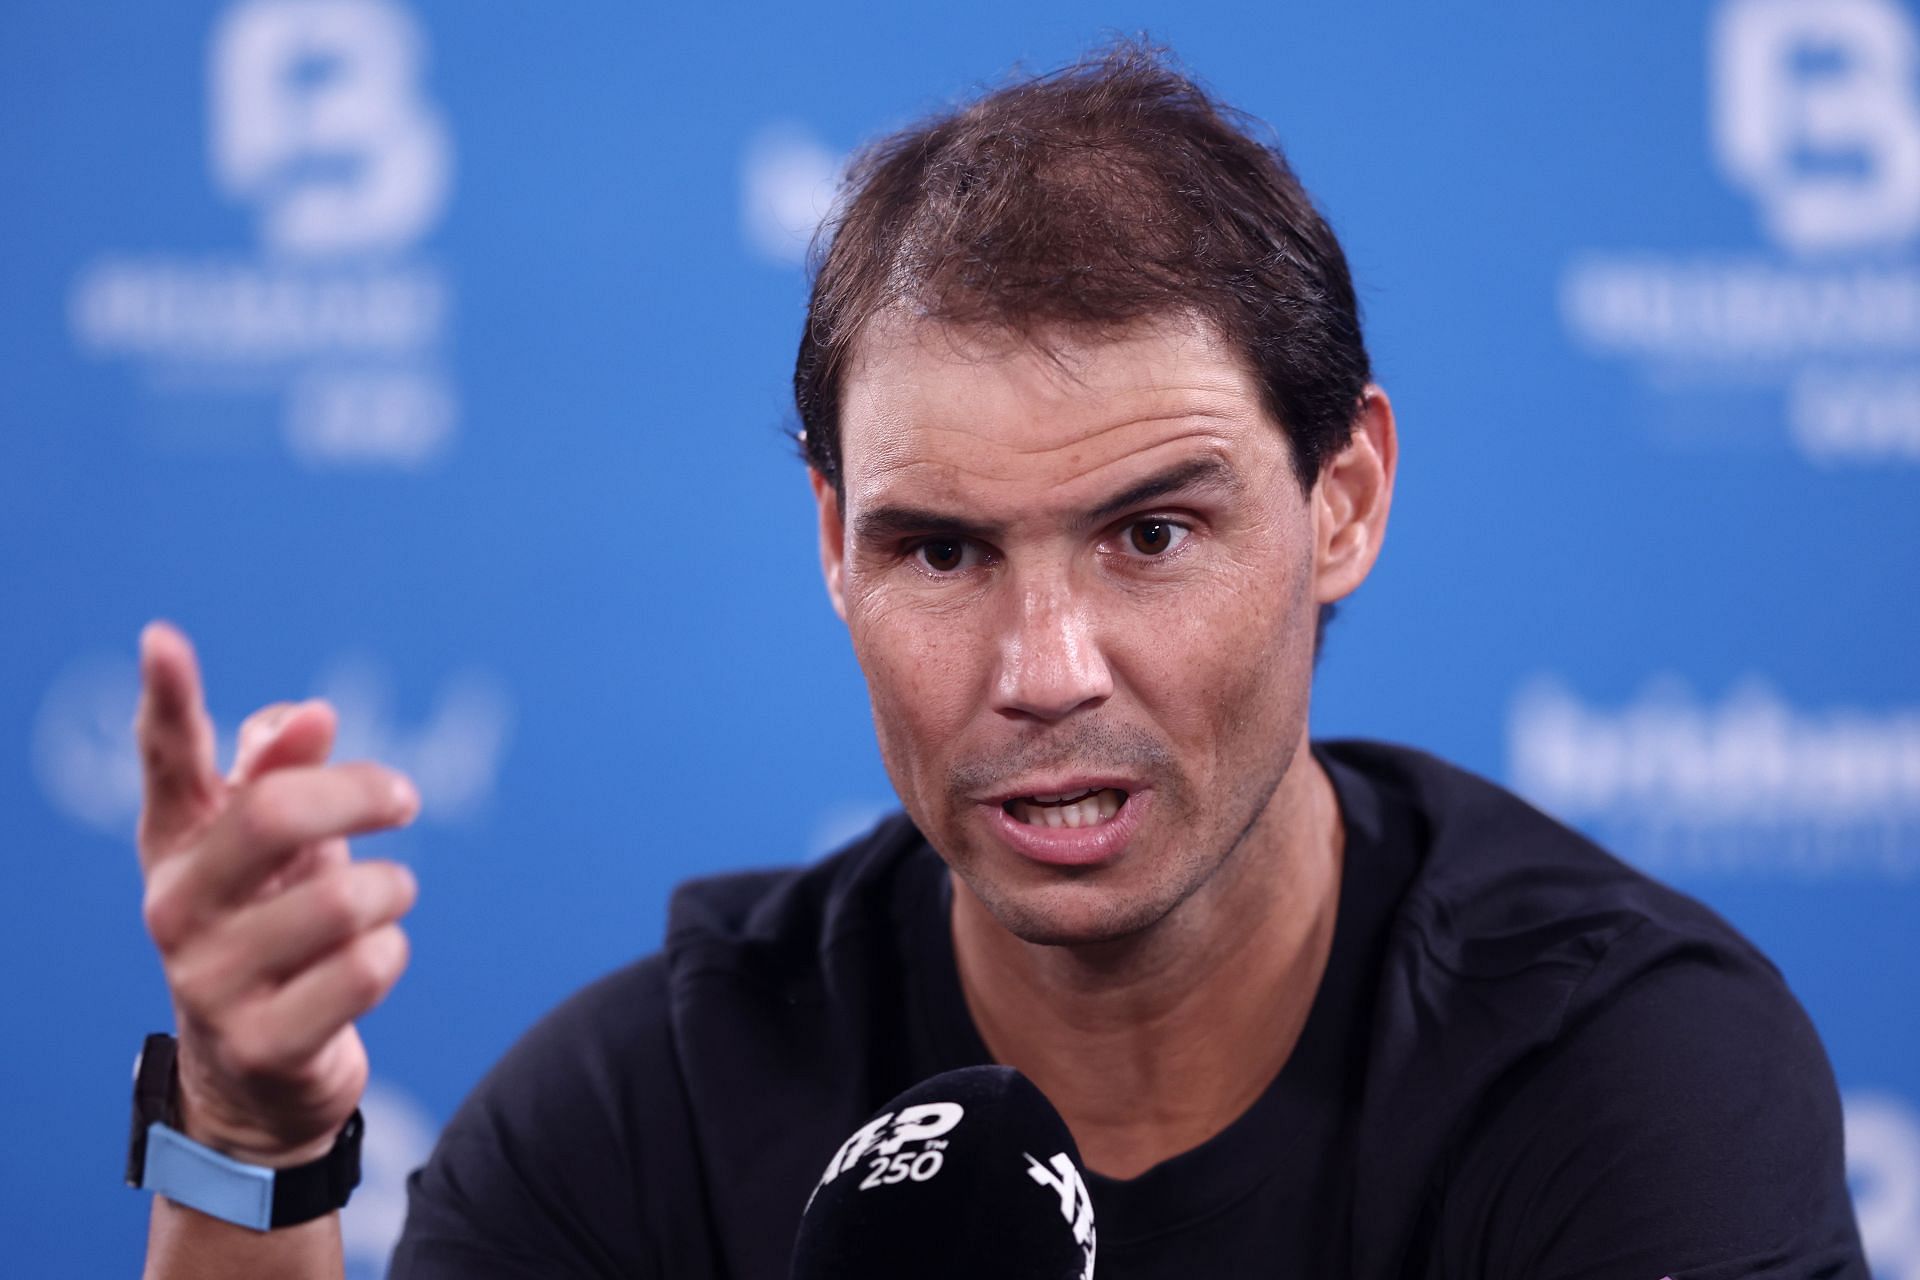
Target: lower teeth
[[1089, 811]]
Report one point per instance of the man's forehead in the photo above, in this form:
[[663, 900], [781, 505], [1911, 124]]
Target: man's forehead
[[1048, 360], [937, 405]]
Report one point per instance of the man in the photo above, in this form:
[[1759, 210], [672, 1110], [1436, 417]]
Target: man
[[1090, 428]]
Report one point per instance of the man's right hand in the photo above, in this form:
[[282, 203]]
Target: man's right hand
[[272, 939]]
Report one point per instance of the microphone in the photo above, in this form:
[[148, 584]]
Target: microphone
[[969, 1175]]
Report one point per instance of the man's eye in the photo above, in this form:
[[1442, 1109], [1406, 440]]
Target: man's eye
[[1155, 537], [945, 555]]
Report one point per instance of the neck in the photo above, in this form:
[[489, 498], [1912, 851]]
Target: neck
[[1151, 1044]]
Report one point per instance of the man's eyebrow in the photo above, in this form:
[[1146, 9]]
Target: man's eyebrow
[[884, 524], [1208, 472]]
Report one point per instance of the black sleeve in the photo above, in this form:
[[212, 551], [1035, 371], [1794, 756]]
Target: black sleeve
[[1686, 1126], [573, 1158]]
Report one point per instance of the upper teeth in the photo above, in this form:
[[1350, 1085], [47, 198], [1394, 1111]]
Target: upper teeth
[[1088, 809]]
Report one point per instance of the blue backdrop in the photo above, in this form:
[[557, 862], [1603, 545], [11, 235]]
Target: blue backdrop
[[434, 358]]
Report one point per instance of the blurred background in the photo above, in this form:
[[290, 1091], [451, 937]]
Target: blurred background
[[434, 358]]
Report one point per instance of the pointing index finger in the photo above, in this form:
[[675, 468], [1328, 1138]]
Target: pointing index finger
[[175, 738]]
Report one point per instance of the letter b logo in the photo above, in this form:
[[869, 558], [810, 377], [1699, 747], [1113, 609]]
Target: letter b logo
[[317, 118], [1815, 114]]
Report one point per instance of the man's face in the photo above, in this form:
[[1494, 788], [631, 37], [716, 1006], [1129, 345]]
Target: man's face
[[1082, 584]]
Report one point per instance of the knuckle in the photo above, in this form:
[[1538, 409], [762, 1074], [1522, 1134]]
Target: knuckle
[[204, 978], [190, 986], [167, 918], [158, 710], [362, 985], [163, 776], [335, 903]]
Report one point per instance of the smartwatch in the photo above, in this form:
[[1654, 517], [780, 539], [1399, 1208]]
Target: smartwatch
[[162, 1159]]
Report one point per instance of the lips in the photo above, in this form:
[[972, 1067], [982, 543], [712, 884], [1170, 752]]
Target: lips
[[1078, 824]]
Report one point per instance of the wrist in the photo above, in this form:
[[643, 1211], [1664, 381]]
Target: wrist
[[200, 1111], [249, 1144], [181, 1164]]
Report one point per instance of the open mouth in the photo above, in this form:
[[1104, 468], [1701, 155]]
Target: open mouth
[[1087, 808]]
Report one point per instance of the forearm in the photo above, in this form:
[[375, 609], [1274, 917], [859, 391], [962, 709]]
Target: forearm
[[184, 1244]]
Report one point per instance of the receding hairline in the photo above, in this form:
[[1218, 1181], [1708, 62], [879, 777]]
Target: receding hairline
[[1059, 342], [1083, 202]]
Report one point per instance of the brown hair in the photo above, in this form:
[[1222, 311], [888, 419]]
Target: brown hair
[[1089, 199]]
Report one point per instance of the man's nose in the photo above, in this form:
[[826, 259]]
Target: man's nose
[[1051, 663]]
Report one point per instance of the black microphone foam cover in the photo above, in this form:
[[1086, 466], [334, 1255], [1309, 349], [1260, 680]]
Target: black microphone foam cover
[[969, 1175]]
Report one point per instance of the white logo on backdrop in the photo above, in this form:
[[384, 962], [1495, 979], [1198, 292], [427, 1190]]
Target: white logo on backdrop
[[399, 1138], [345, 162], [788, 179], [317, 121], [1816, 118], [87, 766], [1826, 77], [1883, 1170], [1748, 784]]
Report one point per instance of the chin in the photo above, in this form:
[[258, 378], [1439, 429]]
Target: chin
[[1075, 914]]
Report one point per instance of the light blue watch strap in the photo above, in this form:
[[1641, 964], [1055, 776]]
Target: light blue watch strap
[[201, 1178]]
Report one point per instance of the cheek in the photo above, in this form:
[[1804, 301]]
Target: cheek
[[921, 680], [1228, 661]]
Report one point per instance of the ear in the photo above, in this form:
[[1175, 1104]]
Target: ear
[[1351, 499], [833, 539]]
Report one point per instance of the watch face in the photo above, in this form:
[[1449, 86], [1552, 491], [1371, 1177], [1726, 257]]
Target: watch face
[[153, 1080]]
